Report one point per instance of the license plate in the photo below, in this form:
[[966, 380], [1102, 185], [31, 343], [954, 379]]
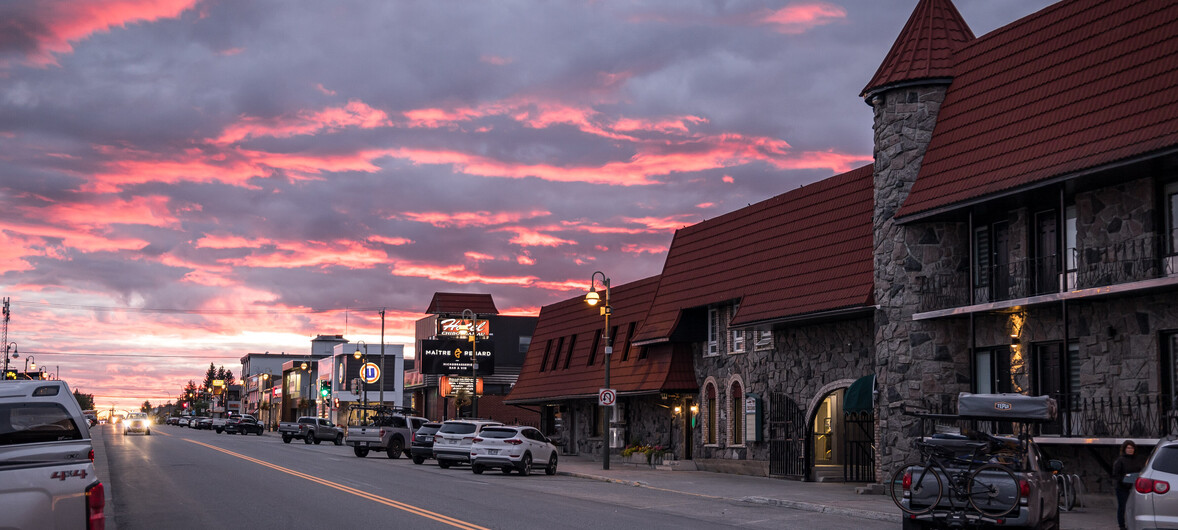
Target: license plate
[[363, 444], [492, 451]]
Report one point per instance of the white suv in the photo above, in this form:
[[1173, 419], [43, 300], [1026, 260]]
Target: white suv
[[137, 422], [509, 448], [452, 441]]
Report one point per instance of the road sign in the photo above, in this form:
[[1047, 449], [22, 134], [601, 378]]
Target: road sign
[[370, 372], [606, 397]]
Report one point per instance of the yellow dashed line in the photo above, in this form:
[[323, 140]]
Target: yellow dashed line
[[375, 498]]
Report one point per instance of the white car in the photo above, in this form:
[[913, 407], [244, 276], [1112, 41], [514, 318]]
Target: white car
[[453, 439], [137, 422], [512, 448]]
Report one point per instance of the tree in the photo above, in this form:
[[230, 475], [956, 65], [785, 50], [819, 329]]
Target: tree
[[229, 380], [86, 401], [146, 407], [210, 375]]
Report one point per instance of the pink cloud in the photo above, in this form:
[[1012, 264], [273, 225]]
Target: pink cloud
[[299, 254], [664, 224], [221, 242], [105, 211], [527, 237], [705, 205], [496, 60], [799, 17], [644, 249], [524, 259], [478, 256], [321, 88], [355, 114], [65, 22], [394, 241], [469, 219]]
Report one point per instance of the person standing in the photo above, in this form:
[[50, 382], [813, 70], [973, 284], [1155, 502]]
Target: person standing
[[1128, 462]]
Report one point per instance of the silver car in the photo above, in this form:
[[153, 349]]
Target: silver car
[[512, 448], [1151, 503]]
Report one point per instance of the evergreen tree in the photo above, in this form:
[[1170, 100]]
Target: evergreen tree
[[146, 407], [209, 376], [85, 401], [229, 380]]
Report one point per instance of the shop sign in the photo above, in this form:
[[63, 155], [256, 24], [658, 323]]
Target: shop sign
[[452, 357]]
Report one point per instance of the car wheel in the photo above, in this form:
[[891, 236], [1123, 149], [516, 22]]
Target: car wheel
[[339, 439], [478, 470], [220, 430], [395, 448], [419, 460], [307, 439], [360, 451], [317, 441], [551, 469], [443, 464], [525, 465], [286, 439], [258, 432], [147, 432], [242, 432]]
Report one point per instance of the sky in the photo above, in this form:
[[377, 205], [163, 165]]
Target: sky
[[183, 182]]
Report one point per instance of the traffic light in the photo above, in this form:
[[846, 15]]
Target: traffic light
[[325, 389]]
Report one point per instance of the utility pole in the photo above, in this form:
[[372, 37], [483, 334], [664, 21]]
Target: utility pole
[[383, 374]]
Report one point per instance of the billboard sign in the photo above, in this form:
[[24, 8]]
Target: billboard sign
[[456, 327], [452, 357]]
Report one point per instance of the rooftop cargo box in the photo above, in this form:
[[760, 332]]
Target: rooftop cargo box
[[1012, 407]]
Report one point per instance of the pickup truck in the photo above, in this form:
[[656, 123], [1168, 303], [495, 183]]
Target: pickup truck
[[311, 429], [47, 475], [378, 428]]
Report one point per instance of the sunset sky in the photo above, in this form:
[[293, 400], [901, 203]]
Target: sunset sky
[[184, 181]]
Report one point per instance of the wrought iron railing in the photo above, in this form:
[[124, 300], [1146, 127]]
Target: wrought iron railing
[[1136, 416], [1132, 260]]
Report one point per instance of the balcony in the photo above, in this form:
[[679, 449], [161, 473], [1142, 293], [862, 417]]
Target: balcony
[[1093, 270]]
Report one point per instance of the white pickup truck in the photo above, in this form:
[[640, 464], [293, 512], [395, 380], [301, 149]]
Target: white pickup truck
[[46, 459]]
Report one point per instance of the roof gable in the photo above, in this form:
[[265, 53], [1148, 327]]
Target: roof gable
[[1078, 85], [925, 47], [805, 251], [454, 303]]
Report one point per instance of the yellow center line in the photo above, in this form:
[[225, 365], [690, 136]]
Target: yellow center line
[[346, 489]]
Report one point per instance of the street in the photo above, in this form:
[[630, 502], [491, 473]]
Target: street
[[185, 478]]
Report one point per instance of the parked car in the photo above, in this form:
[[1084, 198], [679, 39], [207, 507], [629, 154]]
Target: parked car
[[47, 475], [243, 425], [219, 424], [172, 420], [380, 428], [137, 422], [512, 448], [311, 429], [183, 421], [421, 446], [452, 441], [204, 422], [1151, 503]]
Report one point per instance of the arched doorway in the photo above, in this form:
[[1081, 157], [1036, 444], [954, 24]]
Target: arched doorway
[[841, 430], [826, 432]]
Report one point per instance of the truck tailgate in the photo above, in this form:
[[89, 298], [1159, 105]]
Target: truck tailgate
[[45, 495]]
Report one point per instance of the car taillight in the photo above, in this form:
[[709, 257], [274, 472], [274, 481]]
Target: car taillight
[[91, 455], [514, 441], [477, 439], [382, 433], [907, 481], [95, 502], [1024, 489], [1148, 485], [437, 439]]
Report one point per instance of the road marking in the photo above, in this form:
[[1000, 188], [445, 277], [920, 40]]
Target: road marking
[[363, 494]]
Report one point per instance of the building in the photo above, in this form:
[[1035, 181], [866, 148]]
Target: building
[[261, 372], [338, 376], [502, 342], [1018, 232]]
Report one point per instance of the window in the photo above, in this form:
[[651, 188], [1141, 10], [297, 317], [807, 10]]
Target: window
[[992, 262], [556, 356], [1069, 228], [593, 350], [1001, 370], [736, 414], [1171, 194], [713, 331], [764, 340], [709, 414], [1046, 248], [547, 351], [629, 337], [525, 341], [736, 337], [572, 346]]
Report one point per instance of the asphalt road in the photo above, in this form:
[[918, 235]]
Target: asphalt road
[[183, 478]]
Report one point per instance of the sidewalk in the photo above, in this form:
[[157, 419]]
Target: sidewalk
[[102, 469], [832, 498]]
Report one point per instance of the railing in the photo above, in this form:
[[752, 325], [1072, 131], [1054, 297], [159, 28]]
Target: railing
[[1122, 262], [1139, 416]]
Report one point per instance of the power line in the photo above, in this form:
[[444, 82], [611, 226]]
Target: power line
[[307, 310], [140, 355]]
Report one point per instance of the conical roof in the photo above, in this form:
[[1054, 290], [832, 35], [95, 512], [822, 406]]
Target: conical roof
[[925, 47]]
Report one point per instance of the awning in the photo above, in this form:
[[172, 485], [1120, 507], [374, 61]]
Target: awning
[[860, 396]]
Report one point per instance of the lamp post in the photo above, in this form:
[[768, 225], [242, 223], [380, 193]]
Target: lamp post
[[363, 358], [382, 372], [473, 332], [592, 298], [15, 354], [27, 361]]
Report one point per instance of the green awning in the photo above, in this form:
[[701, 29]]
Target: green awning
[[860, 396]]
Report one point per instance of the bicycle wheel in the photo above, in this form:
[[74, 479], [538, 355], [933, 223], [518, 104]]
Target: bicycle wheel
[[920, 485], [993, 490]]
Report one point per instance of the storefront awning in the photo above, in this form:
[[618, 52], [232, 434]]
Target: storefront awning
[[860, 396]]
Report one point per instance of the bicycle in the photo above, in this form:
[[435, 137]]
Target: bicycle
[[989, 488]]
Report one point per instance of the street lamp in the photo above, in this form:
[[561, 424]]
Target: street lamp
[[472, 329], [266, 388], [15, 354], [592, 298], [27, 361], [363, 358]]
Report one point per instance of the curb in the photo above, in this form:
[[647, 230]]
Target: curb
[[102, 469], [796, 505]]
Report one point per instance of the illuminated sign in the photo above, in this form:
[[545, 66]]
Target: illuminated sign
[[452, 357], [457, 327], [370, 373]]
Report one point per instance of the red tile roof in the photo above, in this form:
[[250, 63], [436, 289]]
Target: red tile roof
[[925, 47], [1078, 85], [663, 370], [805, 251], [454, 303]]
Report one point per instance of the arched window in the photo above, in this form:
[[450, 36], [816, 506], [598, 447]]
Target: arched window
[[736, 414], [709, 413]]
